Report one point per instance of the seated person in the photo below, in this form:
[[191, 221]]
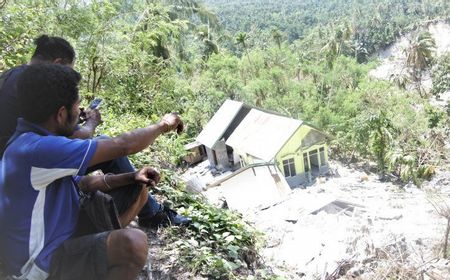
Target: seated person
[[39, 202], [56, 50]]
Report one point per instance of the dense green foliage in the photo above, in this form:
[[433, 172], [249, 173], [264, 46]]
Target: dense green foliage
[[441, 74], [218, 244], [305, 59], [371, 24]]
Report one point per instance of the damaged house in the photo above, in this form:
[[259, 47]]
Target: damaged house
[[297, 149], [239, 136], [217, 131]]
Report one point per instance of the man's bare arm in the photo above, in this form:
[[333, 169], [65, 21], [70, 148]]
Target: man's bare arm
[[86, 131], [106, 182], [92, 119], [134, 141], [146, 176]]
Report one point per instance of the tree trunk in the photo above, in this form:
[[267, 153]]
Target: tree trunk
[[447, 232]]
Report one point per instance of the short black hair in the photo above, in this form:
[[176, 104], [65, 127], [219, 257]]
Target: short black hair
[[44, 88], [51, 48]]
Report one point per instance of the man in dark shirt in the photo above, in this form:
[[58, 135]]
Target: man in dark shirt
[[56, 50], [8, 106], [48, 50]]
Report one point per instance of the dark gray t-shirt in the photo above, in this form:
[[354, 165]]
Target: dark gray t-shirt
[[9, 107]]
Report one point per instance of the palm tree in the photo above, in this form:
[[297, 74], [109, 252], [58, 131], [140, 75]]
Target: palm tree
[[419, 56], [277, 36], [420, 52], [209, 45], [360, 52], [241, 38], [186, 9], [338, 44], [193, 11], [380, 137], [401, 80], [331, 51]]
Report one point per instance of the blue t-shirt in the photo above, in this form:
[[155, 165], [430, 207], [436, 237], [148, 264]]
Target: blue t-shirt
[[9, 107], [39, 203]]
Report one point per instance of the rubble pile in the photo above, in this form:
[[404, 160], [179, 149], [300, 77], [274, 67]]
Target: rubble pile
[[354, 226]]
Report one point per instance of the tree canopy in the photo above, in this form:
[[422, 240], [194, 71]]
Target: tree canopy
[[306, 59]]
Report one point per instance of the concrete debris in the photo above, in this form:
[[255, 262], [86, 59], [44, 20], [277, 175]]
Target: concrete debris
[[338, 207], [251, 189], [348, 228]]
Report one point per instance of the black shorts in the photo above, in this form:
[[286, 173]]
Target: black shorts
[[82, 258]]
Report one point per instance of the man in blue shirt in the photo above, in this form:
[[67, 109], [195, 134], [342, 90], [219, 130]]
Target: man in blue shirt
[[40, 203], [56, 50]]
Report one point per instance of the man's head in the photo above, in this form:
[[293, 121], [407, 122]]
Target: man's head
[[48, 94], [53, 50]]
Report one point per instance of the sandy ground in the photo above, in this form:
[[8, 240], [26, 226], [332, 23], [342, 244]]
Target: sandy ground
[[374, 227], [393, 58]]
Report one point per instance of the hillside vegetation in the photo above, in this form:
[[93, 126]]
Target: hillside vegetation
[[305, 59], [373, 24]]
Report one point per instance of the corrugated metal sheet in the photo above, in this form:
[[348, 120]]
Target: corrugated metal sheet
[[262, 134], [219, 123]]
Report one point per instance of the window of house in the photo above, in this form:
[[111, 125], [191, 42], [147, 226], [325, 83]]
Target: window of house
[[305, 162], [289, 167], [322, 156]]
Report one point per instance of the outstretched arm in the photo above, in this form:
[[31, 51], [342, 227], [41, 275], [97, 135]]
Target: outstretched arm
[[134, 141]]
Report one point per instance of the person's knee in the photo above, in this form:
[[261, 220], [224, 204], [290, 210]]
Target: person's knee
[[133, 246], [135, 242]]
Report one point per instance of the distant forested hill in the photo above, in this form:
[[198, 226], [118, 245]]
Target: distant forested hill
[[373, 23], [294, 17]]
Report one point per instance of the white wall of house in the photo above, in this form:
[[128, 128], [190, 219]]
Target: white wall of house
[[254, 188]]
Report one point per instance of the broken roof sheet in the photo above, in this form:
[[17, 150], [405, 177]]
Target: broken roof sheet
[[254, 188], [262, 135], [219, 123], [192, 145]]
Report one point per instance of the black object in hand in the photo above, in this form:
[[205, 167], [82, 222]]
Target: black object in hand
[[95, 103]]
